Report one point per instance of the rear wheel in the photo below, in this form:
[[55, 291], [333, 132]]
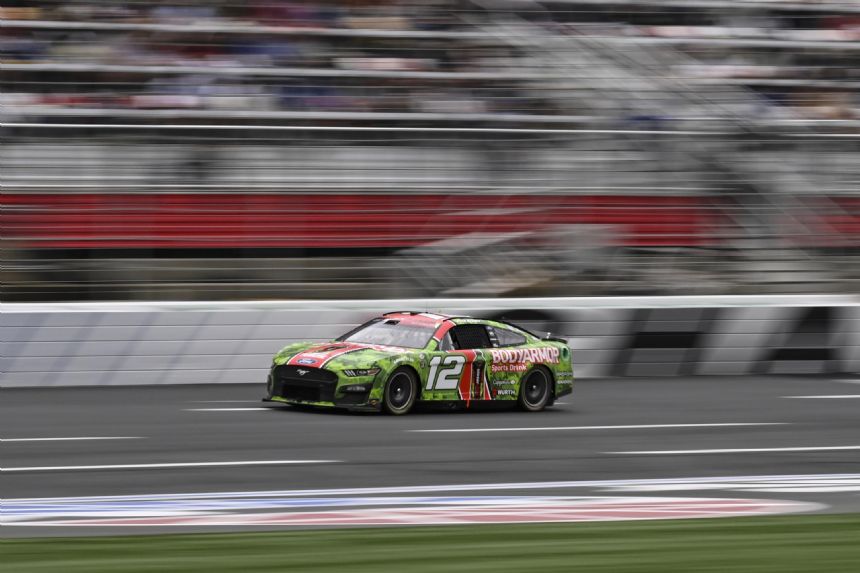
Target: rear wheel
[[535, 390], [401, 391]]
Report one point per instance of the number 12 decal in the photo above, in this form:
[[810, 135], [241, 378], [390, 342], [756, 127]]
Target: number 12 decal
[[448, 378]]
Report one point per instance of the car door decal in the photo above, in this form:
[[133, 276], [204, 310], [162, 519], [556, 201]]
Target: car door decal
[[445, 372], [473, 382]]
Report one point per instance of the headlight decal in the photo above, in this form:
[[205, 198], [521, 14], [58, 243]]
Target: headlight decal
[[356, 372]]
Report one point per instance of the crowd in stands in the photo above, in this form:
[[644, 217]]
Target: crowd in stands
[[395, 56], [356, 14], [302, 128], [804, 59], [256, 56]]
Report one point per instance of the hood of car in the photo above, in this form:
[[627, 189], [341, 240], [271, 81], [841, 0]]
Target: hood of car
[[334, 355]]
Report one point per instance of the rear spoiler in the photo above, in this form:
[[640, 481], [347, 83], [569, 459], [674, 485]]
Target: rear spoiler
[[555, 339]]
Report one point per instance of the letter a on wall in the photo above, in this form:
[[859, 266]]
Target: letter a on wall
[[805, 345]]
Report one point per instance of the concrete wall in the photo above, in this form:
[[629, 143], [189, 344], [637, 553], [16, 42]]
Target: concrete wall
[[210, 343]]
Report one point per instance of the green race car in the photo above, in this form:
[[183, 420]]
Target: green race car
[[401, 358]]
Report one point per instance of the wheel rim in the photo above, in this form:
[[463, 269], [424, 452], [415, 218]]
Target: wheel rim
[[535, 388], [399, 391]]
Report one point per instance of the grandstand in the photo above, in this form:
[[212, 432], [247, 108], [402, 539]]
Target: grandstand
[[343, 149]]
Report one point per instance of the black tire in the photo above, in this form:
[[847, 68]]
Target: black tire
[[535, 390], [401, 391]]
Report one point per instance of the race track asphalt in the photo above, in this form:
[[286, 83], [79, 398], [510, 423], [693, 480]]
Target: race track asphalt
[[569, 442]]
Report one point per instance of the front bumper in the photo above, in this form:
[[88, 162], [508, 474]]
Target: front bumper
[[320, 388], [367, 406]]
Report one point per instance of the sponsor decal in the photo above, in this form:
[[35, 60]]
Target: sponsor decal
[[306, 361], [506, 392], [504, 382], [509, 367], [477, 383], [473, 380], [548, 354]]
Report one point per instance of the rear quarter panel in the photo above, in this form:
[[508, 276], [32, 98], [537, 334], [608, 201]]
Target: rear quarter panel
[[508, 366]]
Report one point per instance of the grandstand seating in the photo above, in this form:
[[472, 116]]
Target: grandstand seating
[[346, 125]]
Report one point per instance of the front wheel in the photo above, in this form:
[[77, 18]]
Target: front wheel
[[401, 391], [535, 390]]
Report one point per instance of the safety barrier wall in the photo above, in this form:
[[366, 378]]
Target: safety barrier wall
[[208, 343]]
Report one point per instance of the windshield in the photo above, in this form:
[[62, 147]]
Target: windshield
[[391, 333]]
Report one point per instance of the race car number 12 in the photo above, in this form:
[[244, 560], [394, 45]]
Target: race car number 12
[[447, 377]]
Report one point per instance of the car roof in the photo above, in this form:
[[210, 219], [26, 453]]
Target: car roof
[[491, 321], [457, 319], [431, 315]]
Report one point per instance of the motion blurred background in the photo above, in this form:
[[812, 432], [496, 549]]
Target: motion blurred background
[[185, 150]]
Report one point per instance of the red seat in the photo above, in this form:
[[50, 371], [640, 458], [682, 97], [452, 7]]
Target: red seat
[[176, 220]]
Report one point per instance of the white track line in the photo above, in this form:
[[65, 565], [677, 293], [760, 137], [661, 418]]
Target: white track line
[[258, 409], [630, 427], [71, 439], [738, 450], [831, 397], [746, 482], [170, 465]]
